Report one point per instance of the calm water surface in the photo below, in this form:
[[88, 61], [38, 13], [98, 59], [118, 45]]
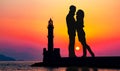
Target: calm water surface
[[25, 66]]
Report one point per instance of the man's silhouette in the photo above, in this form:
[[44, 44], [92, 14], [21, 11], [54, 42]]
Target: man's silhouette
[[81, 33], [71, 30]]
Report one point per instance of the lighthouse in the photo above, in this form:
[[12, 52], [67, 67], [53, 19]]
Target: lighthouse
[[51, 54], [50, 35]]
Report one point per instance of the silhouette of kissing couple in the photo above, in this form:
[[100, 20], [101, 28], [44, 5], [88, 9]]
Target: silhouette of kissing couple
[[76, 25]]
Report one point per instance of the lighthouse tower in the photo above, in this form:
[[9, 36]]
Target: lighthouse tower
[[51, 54], [50, 36]]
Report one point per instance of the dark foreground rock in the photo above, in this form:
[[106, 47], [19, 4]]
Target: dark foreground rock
[[99, 62]]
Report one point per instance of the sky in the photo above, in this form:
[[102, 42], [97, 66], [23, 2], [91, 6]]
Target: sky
[[23, 27]]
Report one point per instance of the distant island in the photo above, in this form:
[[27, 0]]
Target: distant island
[[6, 58]]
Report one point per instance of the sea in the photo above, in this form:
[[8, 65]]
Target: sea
[[25, 66]]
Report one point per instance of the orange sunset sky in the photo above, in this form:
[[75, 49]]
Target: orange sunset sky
[[23, 26]]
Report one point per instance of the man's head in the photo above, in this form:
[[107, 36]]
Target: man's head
[[72, 9]]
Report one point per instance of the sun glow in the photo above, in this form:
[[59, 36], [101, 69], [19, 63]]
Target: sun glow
[[77, 48]]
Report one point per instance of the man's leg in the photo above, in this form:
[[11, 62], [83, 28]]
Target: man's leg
[[71, 46]]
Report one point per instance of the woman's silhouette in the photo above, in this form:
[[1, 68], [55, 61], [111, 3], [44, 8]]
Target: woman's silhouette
[[81, 33]]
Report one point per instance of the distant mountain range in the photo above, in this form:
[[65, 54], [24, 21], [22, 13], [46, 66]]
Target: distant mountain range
[[6, 58]]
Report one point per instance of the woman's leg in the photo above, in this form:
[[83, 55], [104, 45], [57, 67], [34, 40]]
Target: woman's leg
[[90, 51], [86, 47]]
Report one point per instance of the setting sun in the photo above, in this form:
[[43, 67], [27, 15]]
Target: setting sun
[[77, 48]]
